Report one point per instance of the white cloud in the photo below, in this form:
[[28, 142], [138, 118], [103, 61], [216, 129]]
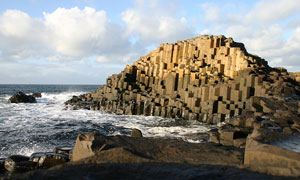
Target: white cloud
[[155, 23], [65, 34], [212, 12], [82, 32], [21, 36], [269, 29], [257, 39], [267, 11]]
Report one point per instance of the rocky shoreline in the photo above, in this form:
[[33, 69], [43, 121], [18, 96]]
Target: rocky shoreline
[[211, 79], [136, 157], [95, 154]]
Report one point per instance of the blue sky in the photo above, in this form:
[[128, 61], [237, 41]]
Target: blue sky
[[85, 41]]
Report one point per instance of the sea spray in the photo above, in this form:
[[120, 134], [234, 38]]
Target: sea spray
[[28, 128]]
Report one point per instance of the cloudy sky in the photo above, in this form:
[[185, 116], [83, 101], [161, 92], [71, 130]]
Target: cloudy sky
[[84, 41]]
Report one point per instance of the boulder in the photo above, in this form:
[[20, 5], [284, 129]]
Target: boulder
[[214, 136], [264, 154], [18, 163], [49, 159], [240, 142], [226, 137], [36, 156], [136, 133], [37, 95], [20, 97], [64, 150]]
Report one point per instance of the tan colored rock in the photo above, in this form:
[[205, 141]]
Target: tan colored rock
[[136, 133], [83, 147], [208, 78], [240, 142], [261, 155], [226, 137]]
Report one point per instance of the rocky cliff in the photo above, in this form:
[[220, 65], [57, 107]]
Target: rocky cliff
[[207, 78]]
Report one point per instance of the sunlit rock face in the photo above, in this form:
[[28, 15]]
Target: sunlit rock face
[[207, 78]]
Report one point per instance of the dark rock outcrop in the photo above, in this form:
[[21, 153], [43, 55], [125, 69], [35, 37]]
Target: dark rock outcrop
[[152, 150], [18, 163], [48, 159], [130, 171], [41, 160], [20, 97], [123, 157]]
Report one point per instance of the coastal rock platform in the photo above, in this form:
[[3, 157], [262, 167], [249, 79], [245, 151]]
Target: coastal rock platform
[[120, 157], [211, 79]]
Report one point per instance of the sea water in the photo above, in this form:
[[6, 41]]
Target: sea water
[[27, 128]]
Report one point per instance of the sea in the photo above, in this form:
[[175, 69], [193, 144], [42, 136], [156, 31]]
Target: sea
[[26, 128]]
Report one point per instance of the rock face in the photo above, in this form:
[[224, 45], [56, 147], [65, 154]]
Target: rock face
[[40, 160], [263, 155], [96, 148], [17, 163], [207, 78], [123, 157], [20, 97], [210, 79]]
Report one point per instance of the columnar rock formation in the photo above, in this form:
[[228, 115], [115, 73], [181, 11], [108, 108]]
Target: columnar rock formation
[[207, 78]]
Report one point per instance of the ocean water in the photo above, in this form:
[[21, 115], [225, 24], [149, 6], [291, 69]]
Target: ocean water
[[28, 128]]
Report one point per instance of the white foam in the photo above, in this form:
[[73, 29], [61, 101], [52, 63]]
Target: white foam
[[57, 97], [45, 116]]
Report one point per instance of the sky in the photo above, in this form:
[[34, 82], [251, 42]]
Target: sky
[[85, 41]]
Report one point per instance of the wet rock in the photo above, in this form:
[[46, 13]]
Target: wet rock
[[35, 157], [287, 130], [20, 97], [136, 133], [49, 159], [18, 163], [2, 168], [37, 95], [64, 150], [214, 136]]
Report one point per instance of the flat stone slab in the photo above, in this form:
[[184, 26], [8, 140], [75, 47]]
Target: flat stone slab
[[93, 147], [264, 153]]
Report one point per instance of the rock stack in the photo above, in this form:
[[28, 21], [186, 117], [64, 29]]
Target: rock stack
[[207, 78], [20, 97]]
